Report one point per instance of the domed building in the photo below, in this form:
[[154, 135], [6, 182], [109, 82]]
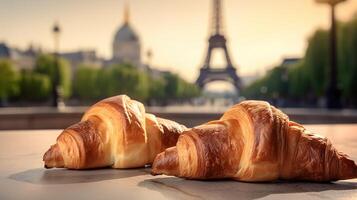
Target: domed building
[[126, 44]]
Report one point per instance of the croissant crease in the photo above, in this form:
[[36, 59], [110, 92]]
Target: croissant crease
[[254, 142], [115, 132]]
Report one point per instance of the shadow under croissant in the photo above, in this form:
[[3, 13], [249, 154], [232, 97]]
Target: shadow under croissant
[[64, 176], [172, 187]]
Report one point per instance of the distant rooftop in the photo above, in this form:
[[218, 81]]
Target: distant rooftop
[[290, 61]]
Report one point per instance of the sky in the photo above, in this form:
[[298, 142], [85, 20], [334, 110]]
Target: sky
[[259, 33]]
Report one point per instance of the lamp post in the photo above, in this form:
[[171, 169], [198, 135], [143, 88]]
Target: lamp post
[[333, 94], [57, 100], [149, 56]]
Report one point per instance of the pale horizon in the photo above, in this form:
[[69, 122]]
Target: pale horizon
[[259, 33]]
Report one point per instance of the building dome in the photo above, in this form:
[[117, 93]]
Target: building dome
[[126, 44], [126, 33]]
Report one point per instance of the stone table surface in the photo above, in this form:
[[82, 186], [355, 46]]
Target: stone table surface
[[22, 176]]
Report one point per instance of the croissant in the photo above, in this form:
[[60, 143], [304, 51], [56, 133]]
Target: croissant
[[115, 132], [254, 142]]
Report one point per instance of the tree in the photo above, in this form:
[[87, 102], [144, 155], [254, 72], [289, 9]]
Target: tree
[[173, 88], [299, 81], [35, 86], [308, 79], [91, 84], [156, 88], [111, 81], [125, 79], [273, 85], [8, 80], [46, 64], [85, 83], [348, 60], [189, 90], [276, 81], [317, 61], [178, 88], [104, 83]]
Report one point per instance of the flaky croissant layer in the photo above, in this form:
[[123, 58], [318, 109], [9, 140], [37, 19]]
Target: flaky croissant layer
[[115, 132], [253, 141]]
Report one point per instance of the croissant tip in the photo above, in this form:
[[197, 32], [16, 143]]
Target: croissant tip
[[154, 173], [166, 163], [53, 157]]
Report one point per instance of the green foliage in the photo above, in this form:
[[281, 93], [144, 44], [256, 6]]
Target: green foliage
[[8, 80], [310, 76], [307, 76], [35, 86], [348, 59], [156, 88], [84, 86], [46, 64], [255, 89], [317, 61], [104, 83], [273, 85], [190, 90], [299, 81], [126, 79], [92, 84], [120, 79], [177, 88], [173, 88]]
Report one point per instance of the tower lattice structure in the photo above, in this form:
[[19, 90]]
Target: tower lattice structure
[[218, 41]]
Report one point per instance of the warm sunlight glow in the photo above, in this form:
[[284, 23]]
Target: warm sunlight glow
[[259, 33]]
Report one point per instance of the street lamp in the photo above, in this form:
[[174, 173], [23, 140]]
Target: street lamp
[[149, 56], [57, 100], [333, 94]]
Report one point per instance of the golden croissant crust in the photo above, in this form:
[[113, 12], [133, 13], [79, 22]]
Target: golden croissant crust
[[115, 132], [253, 141]]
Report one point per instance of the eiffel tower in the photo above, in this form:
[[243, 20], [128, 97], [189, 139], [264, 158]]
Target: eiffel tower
[[218, 41]]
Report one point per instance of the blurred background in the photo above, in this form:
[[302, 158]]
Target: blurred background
[[186, 60]]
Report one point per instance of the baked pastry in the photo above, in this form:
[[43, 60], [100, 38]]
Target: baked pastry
[[115, 132], [254, 141]]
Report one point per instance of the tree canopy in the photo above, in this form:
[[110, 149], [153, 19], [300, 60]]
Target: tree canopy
[[91, 83], [35, 86], [308, 79], [46, 65], [8, 80]]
